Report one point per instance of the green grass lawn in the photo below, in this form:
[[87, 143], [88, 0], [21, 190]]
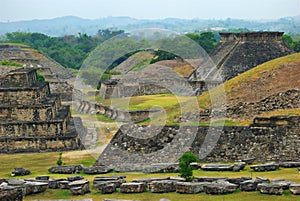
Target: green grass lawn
[[39, 163]]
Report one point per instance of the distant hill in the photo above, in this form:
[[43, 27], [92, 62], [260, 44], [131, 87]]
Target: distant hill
[[73, 25]]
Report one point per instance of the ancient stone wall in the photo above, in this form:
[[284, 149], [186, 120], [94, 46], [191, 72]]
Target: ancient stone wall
[[274, 139], [111, 112], [31, 118], [24, 95]]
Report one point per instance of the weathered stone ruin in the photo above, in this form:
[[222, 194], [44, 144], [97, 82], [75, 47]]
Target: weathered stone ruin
[[238, 52], [59, 78], [134, 148], [31, 118]]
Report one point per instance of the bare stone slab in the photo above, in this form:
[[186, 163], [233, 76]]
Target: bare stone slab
[[108, 189], [164, 186], [295, 188], [149, 180], [132, 188], [222, 187], [217, 167], [238, 181], [251, 185], [285, 184], [265, 167], [96, 170], [79, 187], [43, 177], [190, 187], [63, 184], [269, 188], [54, 183], [116, 180], [35, 187], [20, 172], [11, 193], [289, 164], [74, 178], [62, 169], [210, 179]]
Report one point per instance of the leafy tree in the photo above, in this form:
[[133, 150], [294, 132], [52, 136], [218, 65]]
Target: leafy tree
[[288, 40], [70, 51], [185, 170], [205, 39]]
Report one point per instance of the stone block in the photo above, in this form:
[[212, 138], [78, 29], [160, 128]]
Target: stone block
[[74, 178], [116, 180], [285, 184], [149, 180], [133, 188], [54, 183], [220, 188], [164, 186], [238, 181], [108, 189], [249, 185], [44, 177], [217, 167], [20, 172], [79, 187], [210, 179], [269, 188], [11, 193], [295, 188], [96, 170], [62, 169], [289, 164], [35, 187], [265, 167], [190, 187], [248, 161], [63, 184]]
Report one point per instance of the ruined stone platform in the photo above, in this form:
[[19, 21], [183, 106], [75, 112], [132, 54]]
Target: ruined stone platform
[[32, 119]]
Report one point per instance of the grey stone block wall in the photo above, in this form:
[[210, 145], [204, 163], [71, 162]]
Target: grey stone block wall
[[265, 142]]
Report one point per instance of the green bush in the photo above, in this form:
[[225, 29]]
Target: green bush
[[8, 63], [59, 160], [40, 77], [185, 170]]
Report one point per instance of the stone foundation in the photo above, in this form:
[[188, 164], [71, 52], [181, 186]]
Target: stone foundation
[[265, 142]]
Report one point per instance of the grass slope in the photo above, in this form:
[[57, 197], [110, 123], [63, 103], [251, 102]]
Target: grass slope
[[269, 78]]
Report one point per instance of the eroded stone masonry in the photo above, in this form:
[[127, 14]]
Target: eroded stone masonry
[[59, 78], [267, 139], [31, 118]]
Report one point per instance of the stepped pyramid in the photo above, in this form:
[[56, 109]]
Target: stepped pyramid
[[238, 52], [31, 118], [59, 78]]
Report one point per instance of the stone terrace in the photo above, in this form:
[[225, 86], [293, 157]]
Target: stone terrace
[[31, 118]]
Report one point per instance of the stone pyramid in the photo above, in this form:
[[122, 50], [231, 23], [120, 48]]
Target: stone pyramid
[[239, 52], [31, 118]]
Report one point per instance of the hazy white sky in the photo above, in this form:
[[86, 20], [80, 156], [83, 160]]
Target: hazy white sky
[[14, 10]]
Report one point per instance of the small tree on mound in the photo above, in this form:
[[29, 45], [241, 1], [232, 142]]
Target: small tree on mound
[[185, 170]]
